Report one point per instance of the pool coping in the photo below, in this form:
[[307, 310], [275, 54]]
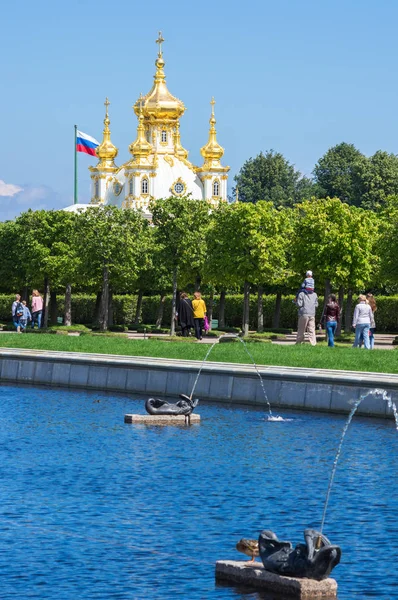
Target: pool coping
[[294, 387]]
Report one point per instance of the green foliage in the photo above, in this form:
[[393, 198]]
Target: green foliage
[[337, 173], [179, 235], [336, 241], [272, 178], [246, 243]]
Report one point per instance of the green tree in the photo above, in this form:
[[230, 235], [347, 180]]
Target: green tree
[[388, 245], [337, 173], [272, 178], [110, 243], [378, 177], [180, 225], [246, 246], [337, 242]]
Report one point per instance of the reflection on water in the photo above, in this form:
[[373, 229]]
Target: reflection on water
[[93, 508]]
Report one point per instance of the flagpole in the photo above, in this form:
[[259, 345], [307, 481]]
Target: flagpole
[[75, 186]]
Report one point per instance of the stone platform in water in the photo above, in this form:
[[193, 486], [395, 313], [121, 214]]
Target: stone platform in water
[[161, 419], [254, 574]]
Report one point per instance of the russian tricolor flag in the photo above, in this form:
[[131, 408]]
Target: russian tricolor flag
[[86, 143]]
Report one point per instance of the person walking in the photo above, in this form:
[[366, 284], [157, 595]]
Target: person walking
[[185, 314], [199, 312], [363, 317], [17, 312], [306, 303], [372, 303], [330, 318], [37, 308]]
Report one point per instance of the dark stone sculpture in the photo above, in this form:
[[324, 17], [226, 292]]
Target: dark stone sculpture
[[185, 406], [314, 560]]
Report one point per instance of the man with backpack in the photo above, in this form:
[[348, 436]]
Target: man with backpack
[[17, 312]]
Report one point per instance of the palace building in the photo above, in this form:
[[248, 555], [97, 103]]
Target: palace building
[[159, 166]]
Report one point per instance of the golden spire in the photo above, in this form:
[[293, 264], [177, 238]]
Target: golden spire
[[237, 194], [212, 151], [179, 151], [141, 147], [106, 151], [159, 104]]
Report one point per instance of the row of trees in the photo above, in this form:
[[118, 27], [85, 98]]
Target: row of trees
[[106, 250], [343, 172]]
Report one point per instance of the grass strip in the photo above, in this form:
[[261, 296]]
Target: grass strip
[[319, 357]]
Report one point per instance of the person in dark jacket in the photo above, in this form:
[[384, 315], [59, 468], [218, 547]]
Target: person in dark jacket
[[185, 314], [330, 318]]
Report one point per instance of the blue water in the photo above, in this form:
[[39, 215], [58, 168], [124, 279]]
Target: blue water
[[93, 508]]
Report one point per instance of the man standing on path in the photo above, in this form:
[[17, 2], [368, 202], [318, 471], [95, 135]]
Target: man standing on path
[[306, 303]]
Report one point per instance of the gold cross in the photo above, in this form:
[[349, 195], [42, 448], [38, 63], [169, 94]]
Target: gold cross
[[107, 103], [160, 41], [212, 102]]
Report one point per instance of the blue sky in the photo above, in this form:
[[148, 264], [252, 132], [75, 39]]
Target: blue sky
[[295, 76]]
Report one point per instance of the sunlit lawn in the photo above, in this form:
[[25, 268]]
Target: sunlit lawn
[[319, 357]]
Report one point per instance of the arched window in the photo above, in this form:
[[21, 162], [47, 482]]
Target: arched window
[[96, 189], [144, 186], [164, 137], [216, 188], [131, 187]]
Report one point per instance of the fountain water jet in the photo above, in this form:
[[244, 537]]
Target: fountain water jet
[[376, 392]]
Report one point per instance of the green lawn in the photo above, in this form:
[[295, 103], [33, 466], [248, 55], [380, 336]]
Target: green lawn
[[320, 357]]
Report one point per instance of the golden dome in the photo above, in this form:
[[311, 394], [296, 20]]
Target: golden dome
[[106, 151], [212, 150], [159, 104], [180, 152], [141, 147]]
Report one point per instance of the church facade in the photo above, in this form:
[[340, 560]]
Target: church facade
[[159, 166]]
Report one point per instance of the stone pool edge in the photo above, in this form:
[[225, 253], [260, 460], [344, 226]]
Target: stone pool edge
[[287, 387]]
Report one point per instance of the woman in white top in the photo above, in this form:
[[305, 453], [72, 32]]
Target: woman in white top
[[363, 316]]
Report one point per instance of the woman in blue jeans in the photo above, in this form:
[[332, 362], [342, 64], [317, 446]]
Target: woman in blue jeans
[[330, 318], [363, 317]]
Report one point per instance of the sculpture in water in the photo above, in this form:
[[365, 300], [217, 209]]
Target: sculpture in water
[[315, 559], [185, 406]]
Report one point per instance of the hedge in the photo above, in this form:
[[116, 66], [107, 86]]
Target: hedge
[[124, 307]]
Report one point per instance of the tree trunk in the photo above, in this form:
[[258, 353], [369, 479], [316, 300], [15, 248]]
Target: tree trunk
[[221, 311], [174, 303], [110, 308], [104, 306], [53, 308], [138, 307], [198, 281], [246, 309], [46, 302], [97, 308], [159, 318], [348, 311], [68, 305], [327, 292], [209, 307], [25, 294], [260, 309], [277, 313], [341, 303]]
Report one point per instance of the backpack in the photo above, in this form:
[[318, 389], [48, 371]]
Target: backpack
[[19, 310]]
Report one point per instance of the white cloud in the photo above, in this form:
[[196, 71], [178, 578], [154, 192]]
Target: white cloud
[[21, 198], [9, 189]]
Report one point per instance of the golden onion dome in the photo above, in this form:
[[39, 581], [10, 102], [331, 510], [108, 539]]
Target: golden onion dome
[[106, 150], [159, 104], [212, 150]]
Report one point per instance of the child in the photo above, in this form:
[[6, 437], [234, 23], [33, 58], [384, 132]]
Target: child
[[307, 286], [25, 317]]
